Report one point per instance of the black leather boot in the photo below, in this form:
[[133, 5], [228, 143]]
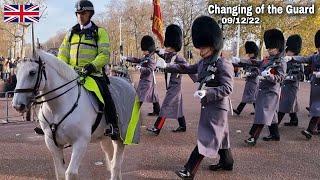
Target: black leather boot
[[239, 108], [255, 133], [155, 130], [274, 133], [182, 125], [293, 120], [113, 132], [184, 174], [225, 162], [313, 125], [192, 165], [280, 117], [156, 109]]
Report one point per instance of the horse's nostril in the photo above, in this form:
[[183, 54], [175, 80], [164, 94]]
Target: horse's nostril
[[22, 106]]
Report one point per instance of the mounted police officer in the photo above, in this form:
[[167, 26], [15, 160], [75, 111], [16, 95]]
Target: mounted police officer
[[86, 48]]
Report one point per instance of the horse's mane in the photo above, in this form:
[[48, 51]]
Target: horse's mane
[[59, 66]]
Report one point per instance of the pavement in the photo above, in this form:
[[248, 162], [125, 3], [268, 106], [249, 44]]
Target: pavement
[[25, 156]]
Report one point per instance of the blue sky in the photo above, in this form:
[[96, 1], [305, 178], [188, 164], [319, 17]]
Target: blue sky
[[60, 16]]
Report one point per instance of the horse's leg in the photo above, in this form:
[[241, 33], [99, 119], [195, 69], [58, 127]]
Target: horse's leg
[[118, 149], [57, 154], [78, 150], [107, 147]]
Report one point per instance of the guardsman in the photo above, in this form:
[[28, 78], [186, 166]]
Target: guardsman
[[252, 79], [215, 76], [172, 105], [146, 90], [314, 62], [290, 86], [267, 102]]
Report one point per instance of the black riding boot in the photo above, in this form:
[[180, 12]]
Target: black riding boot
[[192, 165], [225, 161], [182, 125], [110, 111], [239, 108], [274, 133]]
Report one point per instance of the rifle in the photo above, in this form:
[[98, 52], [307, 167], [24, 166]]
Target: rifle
[[295, 69]]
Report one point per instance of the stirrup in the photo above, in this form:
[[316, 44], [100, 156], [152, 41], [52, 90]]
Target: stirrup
[[113, 133]]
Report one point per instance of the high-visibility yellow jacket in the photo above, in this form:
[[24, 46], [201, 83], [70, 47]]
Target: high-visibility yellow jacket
[[81, 47]]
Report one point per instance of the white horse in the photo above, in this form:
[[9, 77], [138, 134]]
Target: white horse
[[71, 106]]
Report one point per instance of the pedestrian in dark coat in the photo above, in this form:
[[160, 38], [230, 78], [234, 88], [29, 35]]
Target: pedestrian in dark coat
[[216, 84], [290, 86], [314, 62], [267, 102], [172, 105], [252, 79], [146, 90]]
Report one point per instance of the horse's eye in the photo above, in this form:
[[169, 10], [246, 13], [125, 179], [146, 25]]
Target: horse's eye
[[32, 73]]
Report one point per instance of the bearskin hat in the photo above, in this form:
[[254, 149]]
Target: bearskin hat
[[317, 39], [173, 37], [251, 48], [273, 38], [294, 43], [147, 44], [207, 33]]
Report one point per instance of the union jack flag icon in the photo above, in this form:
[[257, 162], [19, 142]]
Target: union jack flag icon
[[21, 13]]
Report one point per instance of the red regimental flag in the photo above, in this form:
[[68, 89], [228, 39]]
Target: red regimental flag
[[157, 24]]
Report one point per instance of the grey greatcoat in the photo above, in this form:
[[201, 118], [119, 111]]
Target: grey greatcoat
[[172, 105], [267, 101], [251, 88], [146, 90], [289, 89], [213, 129], [252, 81], [314, 61]]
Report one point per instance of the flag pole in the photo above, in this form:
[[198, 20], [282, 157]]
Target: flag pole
[[32, 37]]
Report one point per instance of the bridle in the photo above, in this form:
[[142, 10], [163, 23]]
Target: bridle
[[40, 74], [35, 90]]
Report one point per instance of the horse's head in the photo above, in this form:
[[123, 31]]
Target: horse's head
[[30, 80]]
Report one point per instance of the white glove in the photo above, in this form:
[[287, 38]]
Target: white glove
[[161, 51], [200, 94], [289, 77], [123, 59], [161, 64], [317, 74], [266, 73], [138, 67], [235, 60], [287, 58], [248, 74]]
